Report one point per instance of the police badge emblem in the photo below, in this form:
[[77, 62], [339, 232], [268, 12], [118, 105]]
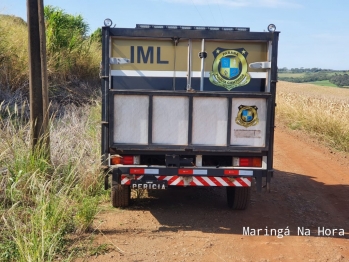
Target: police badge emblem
[[229, 69], [247, 116]]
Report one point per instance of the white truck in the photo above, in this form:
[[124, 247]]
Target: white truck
[[188, 106]]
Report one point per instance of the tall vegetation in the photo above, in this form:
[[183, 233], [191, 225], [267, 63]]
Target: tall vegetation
[[71, 53], [42, 201], [321, 111], [13, 53], [340, 80]]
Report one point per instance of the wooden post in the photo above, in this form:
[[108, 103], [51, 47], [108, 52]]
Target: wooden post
[[45, 101], [35, 81]]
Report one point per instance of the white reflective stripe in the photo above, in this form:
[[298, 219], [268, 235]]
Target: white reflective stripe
[[139, 177], [197, 182], [173, 73], [236, 183], [245, 173], [199, 172], [151, 171], [220, 180], [208, 181], [258, 74], [247, 181], [148, 73], [167, 178]]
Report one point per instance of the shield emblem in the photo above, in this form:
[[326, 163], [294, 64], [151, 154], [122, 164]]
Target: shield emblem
[[247, 115], [230, 67]]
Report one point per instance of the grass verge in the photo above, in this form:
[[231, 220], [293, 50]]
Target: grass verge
[[42, 202]]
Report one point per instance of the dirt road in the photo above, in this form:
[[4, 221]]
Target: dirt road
[[309, 193]]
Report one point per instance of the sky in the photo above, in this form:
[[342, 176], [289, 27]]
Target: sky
[[313, 33]]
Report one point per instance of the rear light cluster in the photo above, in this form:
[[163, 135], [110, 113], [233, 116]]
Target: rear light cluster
[[124, 160], [247, 161]]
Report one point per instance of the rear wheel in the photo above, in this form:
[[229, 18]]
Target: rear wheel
[[238, 197], [120, 195]]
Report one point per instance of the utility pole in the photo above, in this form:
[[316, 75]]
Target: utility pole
[[37, 75], [45, 101]]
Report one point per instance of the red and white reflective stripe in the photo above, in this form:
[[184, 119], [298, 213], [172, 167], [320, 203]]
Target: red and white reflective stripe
[[188, 171], [126, 180], [235, 172], [142, 171], [206, 181], [227, 172]]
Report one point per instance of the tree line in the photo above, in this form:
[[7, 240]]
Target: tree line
[[303, 70], [315, 74]]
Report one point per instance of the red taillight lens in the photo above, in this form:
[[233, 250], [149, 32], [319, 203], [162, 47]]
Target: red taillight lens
[[124, 160], [245, 161], [248, 161], [128, 160]]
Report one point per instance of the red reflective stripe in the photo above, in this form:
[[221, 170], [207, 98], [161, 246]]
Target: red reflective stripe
[[161, 177], [125, 180], [231, 172], [180, 183], [214, 180], [137, 171], [229, 182], [171, 180], [202, 181], [185, 171]]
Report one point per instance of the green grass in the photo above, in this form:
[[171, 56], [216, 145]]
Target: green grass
[[291, 75], [323, 83]]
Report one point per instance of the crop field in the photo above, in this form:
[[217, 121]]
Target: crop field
[[321, 111], [291, 74], [323, 83]]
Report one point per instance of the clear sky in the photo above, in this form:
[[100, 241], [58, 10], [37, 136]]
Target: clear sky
[[314, 33]]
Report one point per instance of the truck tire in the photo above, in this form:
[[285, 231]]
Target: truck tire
[[238, 197], [120, 195]]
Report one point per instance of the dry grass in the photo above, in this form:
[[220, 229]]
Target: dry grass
[[65, 65], [13, 52], [42, 202], [321, 111]]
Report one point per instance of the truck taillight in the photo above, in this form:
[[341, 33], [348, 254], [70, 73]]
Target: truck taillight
[[247, 161], [124, 160]]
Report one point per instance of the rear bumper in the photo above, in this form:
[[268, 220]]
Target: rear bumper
[[203, 176]]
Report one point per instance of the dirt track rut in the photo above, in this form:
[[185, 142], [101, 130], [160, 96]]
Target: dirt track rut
[[310, 190]]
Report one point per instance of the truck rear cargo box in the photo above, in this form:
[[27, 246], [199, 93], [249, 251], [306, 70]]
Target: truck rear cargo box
[[188, 106]]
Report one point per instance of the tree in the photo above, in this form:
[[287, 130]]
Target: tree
[[64, 31], [96, 36]]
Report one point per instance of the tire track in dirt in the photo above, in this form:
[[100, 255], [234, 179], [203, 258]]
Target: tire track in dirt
[[310, 189]]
